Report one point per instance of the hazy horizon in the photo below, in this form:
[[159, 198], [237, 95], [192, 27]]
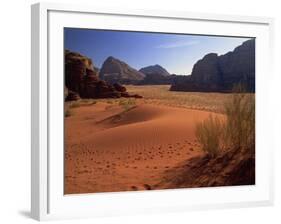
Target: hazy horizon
[[141, 49]]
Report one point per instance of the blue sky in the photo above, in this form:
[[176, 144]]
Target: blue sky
[[175, 52]]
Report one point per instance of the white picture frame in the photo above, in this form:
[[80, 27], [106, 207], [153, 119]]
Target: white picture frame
[[48, 201]]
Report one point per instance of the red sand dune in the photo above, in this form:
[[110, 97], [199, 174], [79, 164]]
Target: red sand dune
[[108, 149]]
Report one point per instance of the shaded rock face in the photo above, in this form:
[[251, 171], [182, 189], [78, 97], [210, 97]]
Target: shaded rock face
[[154, 69], [75, 70], [239, 65], [116, 71], [222, 73], [207, 70], [81, 80]]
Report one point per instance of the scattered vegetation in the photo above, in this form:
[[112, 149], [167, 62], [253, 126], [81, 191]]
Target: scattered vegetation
[[109, 101], [127, 103], [69, 106], [88, 101], [74, 104], [82, 102], [160, 95], [68, 113], [237, 131]]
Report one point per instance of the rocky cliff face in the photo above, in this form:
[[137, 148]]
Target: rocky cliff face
[[116, 71], [81, 80], [222, 73]]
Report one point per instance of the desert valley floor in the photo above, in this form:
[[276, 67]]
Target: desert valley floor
[[129, 144]]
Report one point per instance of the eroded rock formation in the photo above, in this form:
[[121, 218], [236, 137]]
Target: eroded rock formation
[[222, 73], [81, 80]]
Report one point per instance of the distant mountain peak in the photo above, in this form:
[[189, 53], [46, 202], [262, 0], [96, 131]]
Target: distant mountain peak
[[110, 58], [114, 70], [155, 69]]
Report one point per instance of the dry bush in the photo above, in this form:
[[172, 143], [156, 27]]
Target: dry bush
[[237, 131], [209, 134], [240, 123]]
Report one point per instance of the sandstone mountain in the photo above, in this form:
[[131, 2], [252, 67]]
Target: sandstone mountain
[[154, 69], [116, 71], [81, 80], [221, 73], [155, 75]]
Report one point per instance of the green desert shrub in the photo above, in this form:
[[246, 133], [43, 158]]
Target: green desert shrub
[[236, 131]]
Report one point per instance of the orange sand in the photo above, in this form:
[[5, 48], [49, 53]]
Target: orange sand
[[108, 149]]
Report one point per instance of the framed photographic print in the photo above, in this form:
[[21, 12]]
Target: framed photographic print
[[148, 111]]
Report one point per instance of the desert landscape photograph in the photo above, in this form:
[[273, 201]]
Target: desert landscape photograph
[[154, 111]]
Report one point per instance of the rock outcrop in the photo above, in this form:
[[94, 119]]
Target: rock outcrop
[[116, 71], [72, 96], [81, 80], [221, 73]]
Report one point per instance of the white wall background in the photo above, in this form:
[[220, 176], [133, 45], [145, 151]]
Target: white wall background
[[15, 110]]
